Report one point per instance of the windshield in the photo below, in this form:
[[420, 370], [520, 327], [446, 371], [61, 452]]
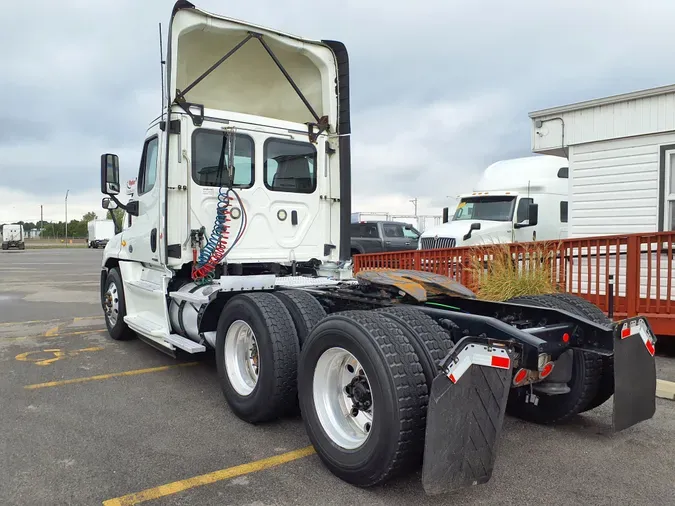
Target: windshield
[[485, 208]]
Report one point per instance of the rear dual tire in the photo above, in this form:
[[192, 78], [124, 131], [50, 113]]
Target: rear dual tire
[[394, 382], [588, 385]]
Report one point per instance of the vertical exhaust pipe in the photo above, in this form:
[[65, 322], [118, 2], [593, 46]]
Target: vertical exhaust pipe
[[445, 215]]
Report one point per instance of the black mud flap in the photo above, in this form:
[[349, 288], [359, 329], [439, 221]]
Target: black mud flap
[[634, 373], [464, 422]]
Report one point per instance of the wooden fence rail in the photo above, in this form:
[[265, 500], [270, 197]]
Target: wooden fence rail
[[640, 266]]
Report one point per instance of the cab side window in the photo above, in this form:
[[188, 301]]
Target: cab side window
[[148, 170]]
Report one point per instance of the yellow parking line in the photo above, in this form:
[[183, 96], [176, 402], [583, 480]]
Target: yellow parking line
[[52, 332], [67, 334], [106, 376], [8, 324], [205, 479]]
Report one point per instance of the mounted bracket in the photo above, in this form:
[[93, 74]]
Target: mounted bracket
[[198, 118]]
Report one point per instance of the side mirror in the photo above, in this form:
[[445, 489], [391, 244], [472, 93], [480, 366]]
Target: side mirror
[[408, 227], [110, 174], [132, 207], [108, 204], [474, 226], [533, 213]]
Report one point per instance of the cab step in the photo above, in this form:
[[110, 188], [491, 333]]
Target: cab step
[[185, 344], [160, 336]]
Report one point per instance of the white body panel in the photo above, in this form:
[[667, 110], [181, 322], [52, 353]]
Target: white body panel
[[533, 178], [100, 230], [12, 233], [615, 186]]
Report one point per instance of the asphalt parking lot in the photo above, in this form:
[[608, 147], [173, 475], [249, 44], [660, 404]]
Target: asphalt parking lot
[[87, 420]]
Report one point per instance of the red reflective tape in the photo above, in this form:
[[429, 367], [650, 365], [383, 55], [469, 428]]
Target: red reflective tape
[[650, 347], [501, 362], [625, 333], [452, 378]]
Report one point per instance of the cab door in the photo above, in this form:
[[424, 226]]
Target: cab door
[[142, 237], [524, 233]]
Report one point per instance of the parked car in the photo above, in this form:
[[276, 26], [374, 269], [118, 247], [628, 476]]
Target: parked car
[[378, 236]]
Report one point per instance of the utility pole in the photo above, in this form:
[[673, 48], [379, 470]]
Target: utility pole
[[67, 217], [41, 221], [414, 202]]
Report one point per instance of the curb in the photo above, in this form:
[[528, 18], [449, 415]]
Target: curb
[[665, 389]]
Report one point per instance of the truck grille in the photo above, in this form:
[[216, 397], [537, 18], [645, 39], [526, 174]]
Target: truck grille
[[438, 242]]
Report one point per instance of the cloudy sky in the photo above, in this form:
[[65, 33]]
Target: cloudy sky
[[440, 88]]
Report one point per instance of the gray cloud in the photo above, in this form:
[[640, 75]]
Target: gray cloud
[[440, 89]]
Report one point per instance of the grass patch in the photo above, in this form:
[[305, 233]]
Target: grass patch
[[500, 272]]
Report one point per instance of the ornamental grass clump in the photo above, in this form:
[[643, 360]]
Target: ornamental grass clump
[[500, 272]]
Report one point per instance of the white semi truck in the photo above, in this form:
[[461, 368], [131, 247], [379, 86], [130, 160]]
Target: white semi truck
[[13, 237], [99, 232], [239, 242], [518, 200]]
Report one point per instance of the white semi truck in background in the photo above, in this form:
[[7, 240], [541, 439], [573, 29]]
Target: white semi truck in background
[[99, 232], [518, 200], [239, 242], [13, 237]]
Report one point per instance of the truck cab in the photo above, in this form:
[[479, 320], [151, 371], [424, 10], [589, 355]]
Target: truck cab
[[245, 173], [520, 200]]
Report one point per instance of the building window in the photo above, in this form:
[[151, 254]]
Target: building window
[[563, 211], [670, 191]]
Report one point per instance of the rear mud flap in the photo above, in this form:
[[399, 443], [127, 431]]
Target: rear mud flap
[[634, 373], [464, 422]]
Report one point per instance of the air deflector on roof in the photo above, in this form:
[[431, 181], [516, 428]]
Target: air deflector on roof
[[196, 110]]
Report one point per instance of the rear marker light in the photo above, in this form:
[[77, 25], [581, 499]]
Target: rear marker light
[[548, 368], [521, 376], [566, 338]]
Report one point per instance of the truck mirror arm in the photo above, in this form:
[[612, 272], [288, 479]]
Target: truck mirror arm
[[130, 207]]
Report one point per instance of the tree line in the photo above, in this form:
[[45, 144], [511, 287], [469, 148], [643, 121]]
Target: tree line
[[77, 229]]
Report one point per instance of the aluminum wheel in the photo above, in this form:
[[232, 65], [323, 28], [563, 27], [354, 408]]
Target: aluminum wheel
[[241, 357], [342, 398], [111, 304]]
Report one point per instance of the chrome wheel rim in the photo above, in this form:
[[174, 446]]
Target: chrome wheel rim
[[340, 404], [241, 357], [111, 304]]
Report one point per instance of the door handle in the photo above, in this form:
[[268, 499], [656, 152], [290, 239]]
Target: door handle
[[408, 243], [387, 243], [153, 240]]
